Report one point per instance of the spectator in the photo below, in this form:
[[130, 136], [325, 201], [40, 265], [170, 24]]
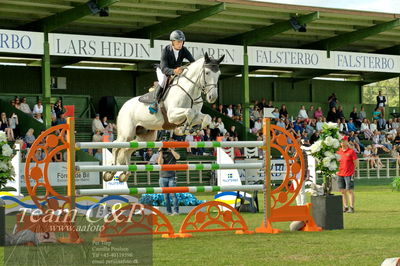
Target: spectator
[[98, 155], [207, 135], [351, 126], [38, 117], [221, 109], [238, 110], [257, 126], [310, 128], [97, 137], [97, 124], [276, 113], [396, 123], [17, 103], [332, 101], [397, 138], [280, 123], [25, 107], [168, 178], [262, 104], [370, 157], [318, 113], [362, 114], [343, 126], [377, 116], [378, 143], [302, 113], [53, 121], [365, 128], [304, 139], [147, 155], [14, 124], [58, 108], [229, 111], [269, 105], [319, 124], [52, 111], [311, 111], [38, 108], [339, 112], [314, 137], [189, 138], [380, 103], [220, 125], [297, 126], [61, 119], [332, 115], [283, 112], [40, 155], [354, 141], [199, 137], [232, 131], [374, 126], [5, 127], [354, 116], [29, 138], [257, 113]]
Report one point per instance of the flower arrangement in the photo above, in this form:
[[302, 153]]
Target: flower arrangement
[[6, 153], [324, 151]]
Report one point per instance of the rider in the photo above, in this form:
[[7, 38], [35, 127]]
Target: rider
[[171, 64]]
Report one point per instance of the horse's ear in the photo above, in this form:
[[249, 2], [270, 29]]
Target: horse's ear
[[221, 59], [207, 58]]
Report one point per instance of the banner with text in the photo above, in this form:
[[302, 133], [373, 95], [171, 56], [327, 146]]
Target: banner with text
[[134, 49], [22, 42]]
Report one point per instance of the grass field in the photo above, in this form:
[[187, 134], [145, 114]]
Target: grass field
[[371, 234]]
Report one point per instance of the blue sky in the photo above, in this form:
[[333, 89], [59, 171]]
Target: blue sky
[[389, 6]]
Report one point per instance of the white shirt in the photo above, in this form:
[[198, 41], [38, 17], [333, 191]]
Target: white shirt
[[380, 98], [37, 109], [372, 127], [25, 108], [229, 112], [319, 126], [176, 53], [257, 125], [364, 126], [302, 114]]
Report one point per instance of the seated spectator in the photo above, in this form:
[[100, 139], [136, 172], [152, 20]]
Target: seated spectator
[[147, 155], [189, 138], [302, 113], [99, 155], [280, 123], [220, 125], [304, 139], [397, 138], [229, 111], [332, 115], [257, 113], [365, 128], [221, 109], [53, 121], [340, 112], [351, 126], [38, 117], [198, 137], [52, 111], [311, 111], [97, 124], [353, 142], [17, 103], [371, 157], [14, 124], [343, 126], [29, 138], [354, 116], [58, 107], [238, 110], [97, 137], [38, 108], [232, 131], [25, 107], [297, 126], [283, 112], [377, 116], [319, 124], [389, 125], [40, 155], [378, 142], [318, 113], [5, 127], [207, 135], [362, 114], [373, 126], [314, 137], [276, 113], [310, 128], [61, 119], [395, 123], [262, 104], [257, 126]]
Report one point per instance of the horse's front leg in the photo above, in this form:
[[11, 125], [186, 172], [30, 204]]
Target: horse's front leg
[[179, 115]]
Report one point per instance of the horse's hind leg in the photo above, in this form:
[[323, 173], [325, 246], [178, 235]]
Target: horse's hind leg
[[108, 176]]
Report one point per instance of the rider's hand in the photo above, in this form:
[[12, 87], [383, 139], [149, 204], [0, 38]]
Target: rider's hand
[[178, 70]]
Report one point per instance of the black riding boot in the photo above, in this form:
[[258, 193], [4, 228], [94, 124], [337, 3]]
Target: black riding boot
[[153, 108], [159, 92]]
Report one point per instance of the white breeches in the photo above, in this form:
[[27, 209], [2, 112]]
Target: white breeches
[[162, 78]]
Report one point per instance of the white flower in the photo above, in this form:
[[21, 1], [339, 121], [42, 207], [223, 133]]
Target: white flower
[[3, 166], [331, 125], [316, 147], [329, 154], [7, 151], [336, 143], [332, 166], [337, 157], [329, 141], [327, 161], [3, 137]]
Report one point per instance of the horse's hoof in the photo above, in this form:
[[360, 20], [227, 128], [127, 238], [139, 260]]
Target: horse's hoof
[[123, 177], [107, 177]]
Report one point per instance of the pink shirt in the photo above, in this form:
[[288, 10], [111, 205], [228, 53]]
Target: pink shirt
[[318, 114]]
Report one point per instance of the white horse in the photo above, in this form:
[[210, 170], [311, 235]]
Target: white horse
[[183, 103]]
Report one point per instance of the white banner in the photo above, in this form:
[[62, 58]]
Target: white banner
[[57, 174], [134, 49], [318, 59], [23, 42]]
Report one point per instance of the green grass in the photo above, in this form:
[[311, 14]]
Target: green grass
[[371, 234]]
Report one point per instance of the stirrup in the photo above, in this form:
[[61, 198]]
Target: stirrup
[[153, 108]]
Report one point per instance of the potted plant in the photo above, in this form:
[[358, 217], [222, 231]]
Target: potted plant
[[327, 208], [6, 168]]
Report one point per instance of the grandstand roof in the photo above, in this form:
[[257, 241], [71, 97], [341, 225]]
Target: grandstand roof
[[218, 21]]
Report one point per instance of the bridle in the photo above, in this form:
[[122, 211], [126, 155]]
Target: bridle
[[204, 90]]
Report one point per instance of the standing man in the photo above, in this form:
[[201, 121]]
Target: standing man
[[171, 64], [168, 178], [347, 166], [380, 103]]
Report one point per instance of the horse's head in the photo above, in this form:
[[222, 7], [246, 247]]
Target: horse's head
[[211, 75]]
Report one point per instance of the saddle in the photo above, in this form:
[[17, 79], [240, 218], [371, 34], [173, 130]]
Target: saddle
[[150, 97]]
